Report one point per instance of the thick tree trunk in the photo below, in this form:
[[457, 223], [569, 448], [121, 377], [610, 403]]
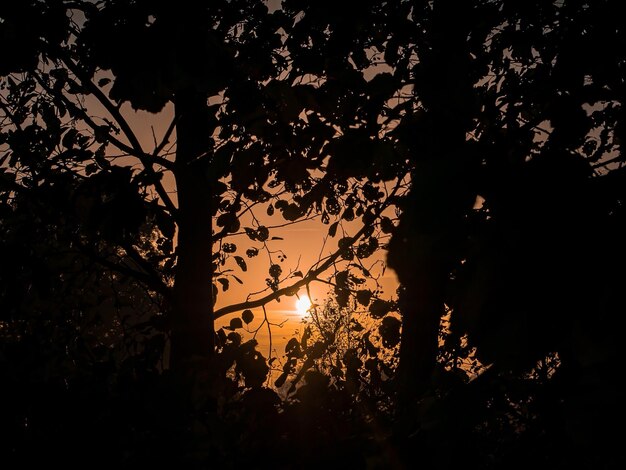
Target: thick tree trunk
[[426, 244], [422, 253], [192, 312], [422, 305]]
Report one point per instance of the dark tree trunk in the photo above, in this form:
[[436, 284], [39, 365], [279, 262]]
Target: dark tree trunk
[[428, 239], [192, 312], [421, 304]]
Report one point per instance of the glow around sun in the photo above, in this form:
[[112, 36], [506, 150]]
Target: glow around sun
[[303, 304]]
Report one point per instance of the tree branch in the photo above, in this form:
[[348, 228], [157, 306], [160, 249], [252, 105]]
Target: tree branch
[[165, 140], [310, 276], [115, 113], [9, 114]]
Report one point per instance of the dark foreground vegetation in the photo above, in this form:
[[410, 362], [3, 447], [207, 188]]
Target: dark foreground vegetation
[[474, 145]]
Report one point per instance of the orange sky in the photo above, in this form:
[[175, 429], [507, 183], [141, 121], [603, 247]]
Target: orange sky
[[302, 243]]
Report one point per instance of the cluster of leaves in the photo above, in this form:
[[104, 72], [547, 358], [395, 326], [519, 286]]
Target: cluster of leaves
[[356, 353]]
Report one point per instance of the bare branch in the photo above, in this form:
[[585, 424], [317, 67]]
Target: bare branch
[[165, 139], [137, 151]]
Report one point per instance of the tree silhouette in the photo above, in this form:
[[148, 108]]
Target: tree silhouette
[[260, 143], [520, 107], [479, 142], [247, 134]]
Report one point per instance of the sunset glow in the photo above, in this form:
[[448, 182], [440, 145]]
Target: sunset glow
[[303, 304]]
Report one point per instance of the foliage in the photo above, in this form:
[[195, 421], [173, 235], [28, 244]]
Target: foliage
[[357, 353], [477, 143]]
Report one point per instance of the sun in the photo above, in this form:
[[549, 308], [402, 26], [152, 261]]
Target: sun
[[303, 304]]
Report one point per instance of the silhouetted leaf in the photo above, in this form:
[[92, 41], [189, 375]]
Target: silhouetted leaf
[[229, 247], [386, 225], [292, 348], [224, 282], [356, 326], [280, 381], [251, 233], [234, 338], [247, 316], [316, 350], [236, 323], [363, 297], [379, 308], [262, 233], [332, 230], [390, 331], [241, 262], [348, 214]]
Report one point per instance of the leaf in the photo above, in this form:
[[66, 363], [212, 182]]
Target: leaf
[[280, 381], [224, 282], [277, 238], [91, 168], [390, 331], [234, 338], [364, 297], [237, 279], [348, 214], [252, 252], [247, 316], [250, 232], [270, 210], [380, 308], [262, 233], [386, 225], [316, 350], [242, 264], [292, 348], [297, 274], [356, 326], [332, 230], [69, 139], [236, 323]]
